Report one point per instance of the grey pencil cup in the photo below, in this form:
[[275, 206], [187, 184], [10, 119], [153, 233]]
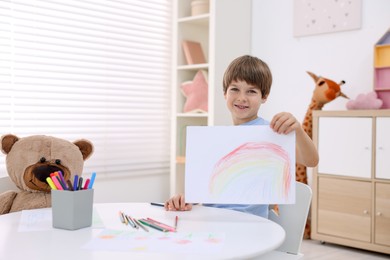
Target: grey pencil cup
[[72, 209]]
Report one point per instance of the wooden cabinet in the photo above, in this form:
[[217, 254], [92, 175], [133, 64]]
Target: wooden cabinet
[[351, 184], [224, 34]]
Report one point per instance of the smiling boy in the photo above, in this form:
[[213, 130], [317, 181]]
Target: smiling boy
[[246, 85]]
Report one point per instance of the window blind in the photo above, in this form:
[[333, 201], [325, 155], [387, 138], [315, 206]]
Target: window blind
[[97, 70]]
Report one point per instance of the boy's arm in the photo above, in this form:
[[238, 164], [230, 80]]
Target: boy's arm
[[306, 152]]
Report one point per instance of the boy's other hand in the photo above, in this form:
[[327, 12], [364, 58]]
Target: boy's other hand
[[177, 202], [284, 123]]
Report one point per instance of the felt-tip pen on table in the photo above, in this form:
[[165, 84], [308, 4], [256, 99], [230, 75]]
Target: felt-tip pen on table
[[157, 204], [147, 223]]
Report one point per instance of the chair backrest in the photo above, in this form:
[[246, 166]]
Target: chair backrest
[[7, 184], [292, 217]]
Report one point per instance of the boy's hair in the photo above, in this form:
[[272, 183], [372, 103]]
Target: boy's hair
[[250, 69]]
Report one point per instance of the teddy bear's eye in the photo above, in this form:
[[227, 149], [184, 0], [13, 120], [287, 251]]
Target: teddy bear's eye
[[42, 160], [58, 161]]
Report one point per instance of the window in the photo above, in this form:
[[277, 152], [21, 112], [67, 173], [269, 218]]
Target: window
[[92, 69]]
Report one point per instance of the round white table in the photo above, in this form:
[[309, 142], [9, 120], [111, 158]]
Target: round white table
[[244, 235]]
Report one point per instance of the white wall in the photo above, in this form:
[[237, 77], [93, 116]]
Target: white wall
[[338, 56]]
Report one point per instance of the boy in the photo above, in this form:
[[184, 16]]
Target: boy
[[246, 85]]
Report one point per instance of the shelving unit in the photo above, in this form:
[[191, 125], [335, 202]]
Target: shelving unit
[[382, 69], [351, 184], [224, 34]]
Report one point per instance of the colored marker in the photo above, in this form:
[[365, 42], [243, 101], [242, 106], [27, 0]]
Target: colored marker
[[121, 217], [140, 225], [157, 204], [75, 182], [57, 183], [162, 225], [86, 184], [62, 179], [130, 220], [51, 183], [70, 186], [176, 221], [92, 180], [152, 225], [80, 186]]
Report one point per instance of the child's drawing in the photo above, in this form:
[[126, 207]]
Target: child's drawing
[[243, 165]]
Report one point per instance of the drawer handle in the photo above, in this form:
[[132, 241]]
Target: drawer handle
[[365, 212], [379, 214]]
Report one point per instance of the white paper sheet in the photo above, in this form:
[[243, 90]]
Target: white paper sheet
[[239, 165]]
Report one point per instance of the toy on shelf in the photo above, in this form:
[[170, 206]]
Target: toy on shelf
[[196, 93], [382, 69], [365, 101]]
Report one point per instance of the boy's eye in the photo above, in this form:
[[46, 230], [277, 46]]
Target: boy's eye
[[252, 91], [233, 89]]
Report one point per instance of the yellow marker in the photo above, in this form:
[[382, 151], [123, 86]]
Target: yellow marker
[[51, 183]]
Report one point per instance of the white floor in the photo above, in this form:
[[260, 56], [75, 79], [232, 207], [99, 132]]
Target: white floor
[[315, 250]]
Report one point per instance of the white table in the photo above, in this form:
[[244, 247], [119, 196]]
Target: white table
[[246, 235]]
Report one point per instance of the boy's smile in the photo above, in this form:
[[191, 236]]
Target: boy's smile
[[243, 101]]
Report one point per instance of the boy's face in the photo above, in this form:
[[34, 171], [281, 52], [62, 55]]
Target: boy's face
[[243, 101]]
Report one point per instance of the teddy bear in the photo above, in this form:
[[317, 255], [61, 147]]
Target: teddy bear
[[31, 159]]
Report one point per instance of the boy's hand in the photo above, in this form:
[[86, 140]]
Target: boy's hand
[[177, 202], [284, 123]]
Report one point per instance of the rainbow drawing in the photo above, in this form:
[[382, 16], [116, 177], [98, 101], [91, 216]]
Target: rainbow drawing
[[253, 170]]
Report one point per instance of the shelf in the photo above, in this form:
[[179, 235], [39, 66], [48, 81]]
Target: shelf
[[202, 19], [193, 66], [192, 115]]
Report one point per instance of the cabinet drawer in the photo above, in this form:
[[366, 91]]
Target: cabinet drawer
[[344, 208], [345, 146], [382, 214], [382, 170]]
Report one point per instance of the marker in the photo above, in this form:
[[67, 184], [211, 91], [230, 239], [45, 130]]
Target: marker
[[56, 183], [80, 186], [145, 222], [70, 186], [130, 220], [62, 179], [140, 225], [162, 225], [121, 217], [92, 180], [157, 204], [75, 182], [176, 220], [51, 183], [86, 184]]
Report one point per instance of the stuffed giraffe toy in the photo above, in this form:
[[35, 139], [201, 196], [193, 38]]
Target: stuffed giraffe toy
[[324, 92]]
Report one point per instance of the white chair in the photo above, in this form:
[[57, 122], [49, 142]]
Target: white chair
[[292, 217], [7, 184]]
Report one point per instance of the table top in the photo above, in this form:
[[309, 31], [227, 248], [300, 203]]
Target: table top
[[202, 233]]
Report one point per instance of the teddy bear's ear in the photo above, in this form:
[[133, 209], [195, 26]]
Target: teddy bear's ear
[[7, 141], [86, 148]]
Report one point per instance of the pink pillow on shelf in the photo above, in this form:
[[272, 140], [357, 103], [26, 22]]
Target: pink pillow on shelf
[[365, 101], [196, 93]]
